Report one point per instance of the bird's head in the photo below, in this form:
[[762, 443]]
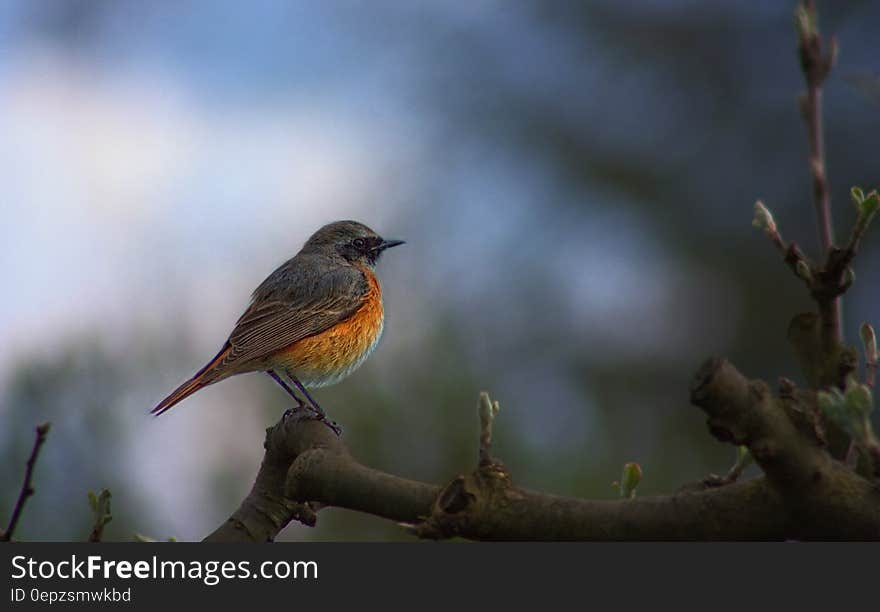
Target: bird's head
[[353, 241]]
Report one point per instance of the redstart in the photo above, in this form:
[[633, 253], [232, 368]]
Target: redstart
[[311, 323]]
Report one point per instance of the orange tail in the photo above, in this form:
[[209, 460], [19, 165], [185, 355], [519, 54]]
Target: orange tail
[[204, 377]]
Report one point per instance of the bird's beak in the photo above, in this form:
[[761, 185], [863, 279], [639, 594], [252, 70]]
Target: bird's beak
[[387, 244]]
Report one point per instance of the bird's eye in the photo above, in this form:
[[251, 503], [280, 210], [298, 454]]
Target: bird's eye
[[359, 243]]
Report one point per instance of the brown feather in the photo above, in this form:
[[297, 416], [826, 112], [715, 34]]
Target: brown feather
[[270, 325], [199, 380]]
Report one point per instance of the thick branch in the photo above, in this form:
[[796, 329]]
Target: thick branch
[[306, 466], [331, 477], [265, 511], [471, 508], [825, 499], [467, 509]]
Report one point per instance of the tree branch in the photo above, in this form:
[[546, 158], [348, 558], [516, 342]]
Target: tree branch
[[816, 65], [27, 488], [266, 511], [802, 496], [825, 499], [100, 506]]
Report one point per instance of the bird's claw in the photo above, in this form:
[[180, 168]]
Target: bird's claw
[[312, 414]]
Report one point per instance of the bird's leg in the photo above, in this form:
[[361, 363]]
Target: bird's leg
[[331, 424], [286, 387], [312, 401]]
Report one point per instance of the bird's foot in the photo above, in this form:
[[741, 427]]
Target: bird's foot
[[308, 412], [298, 412]]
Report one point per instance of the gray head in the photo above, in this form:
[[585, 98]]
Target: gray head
[[353, 241]]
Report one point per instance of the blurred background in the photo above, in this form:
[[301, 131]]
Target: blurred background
[[574, 181]]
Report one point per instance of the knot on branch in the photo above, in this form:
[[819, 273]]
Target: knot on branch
[[836, 276], [467, 500], [462, 505]]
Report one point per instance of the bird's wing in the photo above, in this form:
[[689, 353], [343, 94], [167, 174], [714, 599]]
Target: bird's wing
[[294, 303]]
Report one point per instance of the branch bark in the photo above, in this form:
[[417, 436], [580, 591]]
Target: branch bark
[[805, 495]]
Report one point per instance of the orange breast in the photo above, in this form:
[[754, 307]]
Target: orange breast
[[328, 357]]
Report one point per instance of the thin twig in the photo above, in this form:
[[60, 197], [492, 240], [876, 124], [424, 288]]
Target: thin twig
[[487, 411], [869, 343], [792, 255], [100, 505], [816, 65], [852, 246], [27, 488]]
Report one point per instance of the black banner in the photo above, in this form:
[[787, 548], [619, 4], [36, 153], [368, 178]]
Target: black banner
[[146, 576]]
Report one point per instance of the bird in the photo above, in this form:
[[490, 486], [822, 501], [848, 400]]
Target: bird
[[311, 323]]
